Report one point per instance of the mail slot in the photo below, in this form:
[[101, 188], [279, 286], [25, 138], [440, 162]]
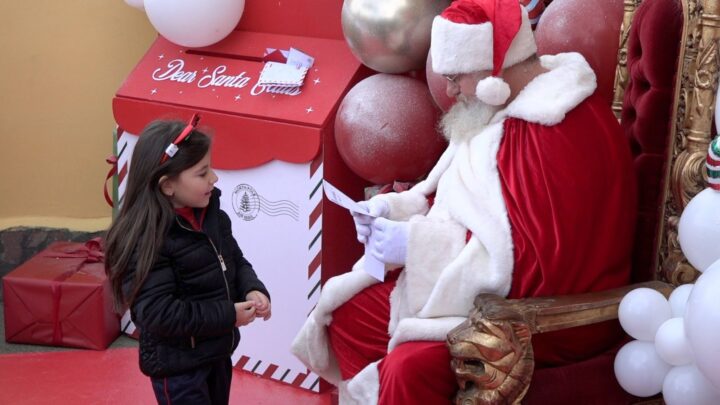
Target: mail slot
[[272, 153]]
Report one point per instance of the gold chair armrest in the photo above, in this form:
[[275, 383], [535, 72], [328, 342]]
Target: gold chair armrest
[[492, 353], [548, 314]]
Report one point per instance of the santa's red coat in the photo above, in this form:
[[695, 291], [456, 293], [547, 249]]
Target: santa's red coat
[[569, 191]]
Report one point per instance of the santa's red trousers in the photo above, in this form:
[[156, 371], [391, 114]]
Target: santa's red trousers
[[415, 372]]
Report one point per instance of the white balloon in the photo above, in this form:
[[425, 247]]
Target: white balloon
[[194, 23], [699, 229], [686, 385], [678, 299], [671, 344], [642, 311], [135, 3], [639, 369], [702, 323]]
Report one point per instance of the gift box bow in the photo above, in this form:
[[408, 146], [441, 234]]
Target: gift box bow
[[90, 252]]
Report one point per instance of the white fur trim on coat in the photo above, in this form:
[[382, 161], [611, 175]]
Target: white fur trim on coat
[[548, 97], [432, 245], [404, 205], [338, 290], [364, 388], [470, 194], [414, 201], [413, 329], [466, 48], [311, 345]]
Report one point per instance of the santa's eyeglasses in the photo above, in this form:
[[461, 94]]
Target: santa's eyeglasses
[[172, 149], [452, 78]]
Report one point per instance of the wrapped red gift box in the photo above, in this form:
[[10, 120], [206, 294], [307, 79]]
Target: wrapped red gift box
[[61, 297]]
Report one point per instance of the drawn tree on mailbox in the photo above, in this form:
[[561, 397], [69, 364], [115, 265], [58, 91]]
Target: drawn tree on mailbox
[[245, 203]]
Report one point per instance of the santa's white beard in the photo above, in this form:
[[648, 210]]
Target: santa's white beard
[[466, 119]]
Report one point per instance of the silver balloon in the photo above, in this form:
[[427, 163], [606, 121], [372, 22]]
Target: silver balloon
[[390, 36]]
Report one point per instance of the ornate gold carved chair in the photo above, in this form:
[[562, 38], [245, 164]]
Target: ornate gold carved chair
[[664, 96]]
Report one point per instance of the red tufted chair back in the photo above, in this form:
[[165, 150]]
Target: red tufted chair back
[[653, 48]]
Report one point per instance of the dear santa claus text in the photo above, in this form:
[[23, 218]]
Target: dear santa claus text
[[174, 72]]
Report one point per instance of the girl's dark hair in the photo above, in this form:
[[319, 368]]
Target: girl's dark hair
[[137, 233]]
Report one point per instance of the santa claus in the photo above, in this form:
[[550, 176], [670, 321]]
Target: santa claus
[[534, 196]]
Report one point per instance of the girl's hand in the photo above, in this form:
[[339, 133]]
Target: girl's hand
[[262, 304], [244, 313]]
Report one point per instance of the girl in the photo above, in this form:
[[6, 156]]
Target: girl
[[171, 257]]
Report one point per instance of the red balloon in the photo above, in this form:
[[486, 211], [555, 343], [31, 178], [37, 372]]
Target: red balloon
[[438, 86], [591, 28], [385, 129]]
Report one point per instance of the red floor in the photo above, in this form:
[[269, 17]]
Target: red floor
[[112, 377]]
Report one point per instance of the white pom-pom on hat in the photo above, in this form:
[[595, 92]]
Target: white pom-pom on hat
[[492, 90]]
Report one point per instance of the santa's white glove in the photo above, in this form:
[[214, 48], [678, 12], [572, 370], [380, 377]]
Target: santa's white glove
[[388, 242], [377, 208]]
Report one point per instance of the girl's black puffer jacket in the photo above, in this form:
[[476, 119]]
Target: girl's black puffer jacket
[[185, 308]]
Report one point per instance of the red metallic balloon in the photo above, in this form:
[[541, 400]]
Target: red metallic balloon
[[385, 129], [591, 28]]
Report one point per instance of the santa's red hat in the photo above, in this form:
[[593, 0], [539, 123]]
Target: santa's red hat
[[475, 35]]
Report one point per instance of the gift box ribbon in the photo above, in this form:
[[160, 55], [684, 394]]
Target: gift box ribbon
[[90, 252]]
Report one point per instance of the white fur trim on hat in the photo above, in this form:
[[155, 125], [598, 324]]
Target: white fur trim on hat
[[466, 48], [492, 90]]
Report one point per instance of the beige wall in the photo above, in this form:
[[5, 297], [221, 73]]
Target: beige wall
[[60, 65]]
